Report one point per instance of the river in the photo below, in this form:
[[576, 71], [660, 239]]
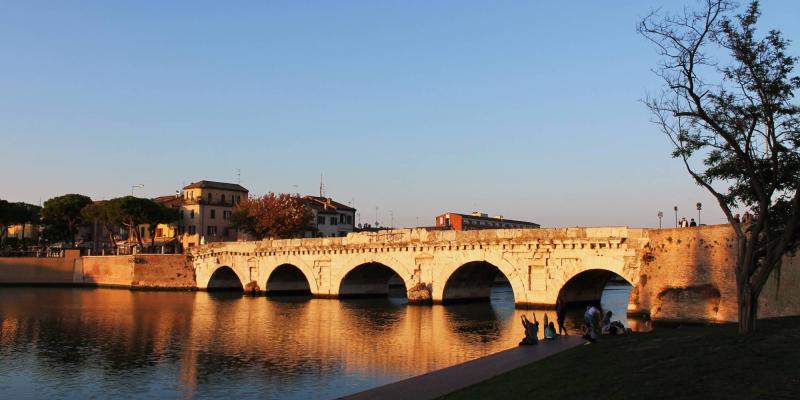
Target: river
[[81, 343]]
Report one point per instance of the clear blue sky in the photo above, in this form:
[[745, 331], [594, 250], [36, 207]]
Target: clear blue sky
[[527, 109]]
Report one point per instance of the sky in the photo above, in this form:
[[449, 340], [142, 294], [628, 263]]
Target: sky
[[526, 109]]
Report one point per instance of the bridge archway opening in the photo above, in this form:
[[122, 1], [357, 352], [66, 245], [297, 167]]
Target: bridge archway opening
[[224, 279], [287, 280], [597, 287], [372, 280], [478, 281]]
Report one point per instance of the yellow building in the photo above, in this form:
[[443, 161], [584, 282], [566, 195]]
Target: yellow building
[[29, 231], [205, 212]]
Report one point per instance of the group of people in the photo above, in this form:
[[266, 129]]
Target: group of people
[[532, 328], [595, 325], [683, 223]]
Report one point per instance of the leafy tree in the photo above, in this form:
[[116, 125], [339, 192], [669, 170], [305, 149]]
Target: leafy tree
[[98, 213], [6, 219], [26, 214], [161, 214], [62, 216], [17, 214], [727, 101], [131, 212], [274, 215]]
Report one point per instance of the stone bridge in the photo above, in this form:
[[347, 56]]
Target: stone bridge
[[437, 266], [675, 274]]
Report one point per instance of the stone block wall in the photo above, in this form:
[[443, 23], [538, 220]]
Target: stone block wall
[[688, 274], [163, 271], [107, 271]]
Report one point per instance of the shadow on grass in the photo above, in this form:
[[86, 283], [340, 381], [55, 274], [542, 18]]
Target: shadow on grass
[[688, 362]]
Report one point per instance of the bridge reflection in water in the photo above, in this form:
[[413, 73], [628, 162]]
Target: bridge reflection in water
[[77, 343]]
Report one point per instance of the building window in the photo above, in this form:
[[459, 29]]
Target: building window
[[341, 218], [226, 215], [226, 232], [209, 197], [213, 214], [191, 214], [333, 220], [211, 230], [192, 229], [350, 219], [222, 198], [320, 220], [238, 199]]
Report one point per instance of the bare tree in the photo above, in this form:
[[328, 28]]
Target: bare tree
[[727, 108]]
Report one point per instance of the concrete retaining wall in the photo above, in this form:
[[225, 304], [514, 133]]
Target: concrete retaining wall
[[145, 271], [49, 271]]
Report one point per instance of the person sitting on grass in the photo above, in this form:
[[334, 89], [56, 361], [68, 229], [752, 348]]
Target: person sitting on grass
[[550, 331], [592, 319], [606, 324], [531, 331]]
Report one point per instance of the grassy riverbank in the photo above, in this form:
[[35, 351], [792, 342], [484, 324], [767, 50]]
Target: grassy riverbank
[[700, 362]]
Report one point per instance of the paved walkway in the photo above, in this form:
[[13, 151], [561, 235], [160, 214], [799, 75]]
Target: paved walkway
[[441, 382]]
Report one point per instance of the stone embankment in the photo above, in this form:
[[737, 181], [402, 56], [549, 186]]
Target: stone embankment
[[141, 271]]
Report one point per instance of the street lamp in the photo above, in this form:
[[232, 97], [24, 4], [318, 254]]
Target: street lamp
[[139, 186], [699, 207], [676, 216], [660, 215]]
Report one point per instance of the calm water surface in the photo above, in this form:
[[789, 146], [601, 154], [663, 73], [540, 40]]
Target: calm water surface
[[83, 343]]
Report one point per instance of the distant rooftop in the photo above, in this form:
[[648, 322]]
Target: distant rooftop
[[327, 202], [216, 185]]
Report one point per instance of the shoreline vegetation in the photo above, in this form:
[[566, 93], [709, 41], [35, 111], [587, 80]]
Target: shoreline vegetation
[[686, 362]]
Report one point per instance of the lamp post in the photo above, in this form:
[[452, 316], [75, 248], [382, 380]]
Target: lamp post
[[139, 186], [676, 216], [660, 215], [699, 207]]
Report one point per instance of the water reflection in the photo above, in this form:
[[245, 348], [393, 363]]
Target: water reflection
[[77, 343]]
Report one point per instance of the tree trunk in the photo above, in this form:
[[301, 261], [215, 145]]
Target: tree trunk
[[138, 236], [112, 238], [22, 238], [71, 229], [748, 309]]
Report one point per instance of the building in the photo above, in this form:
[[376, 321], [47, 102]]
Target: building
[[331, 218], [29, 231], [205, 212], [478, 220]]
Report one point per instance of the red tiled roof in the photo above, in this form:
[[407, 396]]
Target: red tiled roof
[[326, 202], [216, 185]]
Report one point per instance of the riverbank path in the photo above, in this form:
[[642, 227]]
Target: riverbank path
[[441, 382]]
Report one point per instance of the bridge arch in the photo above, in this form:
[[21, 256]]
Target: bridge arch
[[371, 279], [224, 278], [586, 286], [287, 279], [472, 280]]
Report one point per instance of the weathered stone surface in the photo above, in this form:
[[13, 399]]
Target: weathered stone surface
[[419, 294], [662, 265]]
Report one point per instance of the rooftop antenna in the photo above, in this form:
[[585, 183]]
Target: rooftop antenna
[[321, 186], [239, 176]]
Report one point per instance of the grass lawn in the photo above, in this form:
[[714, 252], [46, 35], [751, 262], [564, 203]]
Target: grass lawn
[[688, 362]]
